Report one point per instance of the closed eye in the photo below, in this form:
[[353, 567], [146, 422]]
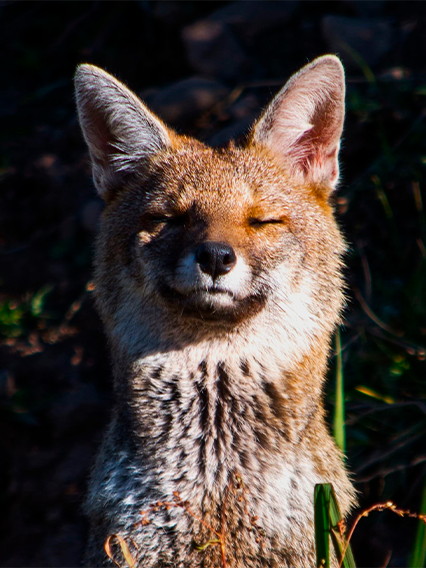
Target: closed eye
[[175, 220], [254, 222]]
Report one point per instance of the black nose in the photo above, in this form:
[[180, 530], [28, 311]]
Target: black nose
[[215, 258]]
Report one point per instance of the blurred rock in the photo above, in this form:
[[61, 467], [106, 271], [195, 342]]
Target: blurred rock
[[240, 117], [213, 50], [183, 102], [368, 38], [246, 106], [232, 132], [252, 18], [216, 46], [367, 9], [168, 12]]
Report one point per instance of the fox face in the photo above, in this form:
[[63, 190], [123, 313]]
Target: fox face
[[195, 246], [208, 244], [216, 236]]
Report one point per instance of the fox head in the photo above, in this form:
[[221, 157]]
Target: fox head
[[212, 238]]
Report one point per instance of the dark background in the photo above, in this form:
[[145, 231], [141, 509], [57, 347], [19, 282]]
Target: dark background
[[207, 68]]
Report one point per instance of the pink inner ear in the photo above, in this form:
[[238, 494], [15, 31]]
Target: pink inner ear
[[98, 134], [102, 137], [316, 151], [303, 124]]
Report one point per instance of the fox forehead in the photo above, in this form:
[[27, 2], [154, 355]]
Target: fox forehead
[[221, 180]]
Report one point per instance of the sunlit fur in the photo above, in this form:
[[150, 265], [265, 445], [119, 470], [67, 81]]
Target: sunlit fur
[[216, 376]]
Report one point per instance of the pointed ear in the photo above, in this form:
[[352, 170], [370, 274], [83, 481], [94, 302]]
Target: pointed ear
[[119, 130], [303, 124]]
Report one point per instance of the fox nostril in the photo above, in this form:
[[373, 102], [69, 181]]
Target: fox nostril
[[229, 259], [215, 258], [203, 257]]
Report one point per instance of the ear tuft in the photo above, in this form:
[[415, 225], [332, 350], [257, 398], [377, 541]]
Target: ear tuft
[[303, 124], [119, 130]]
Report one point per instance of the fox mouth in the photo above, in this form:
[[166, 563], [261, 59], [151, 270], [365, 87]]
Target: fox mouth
[[213, 303], [201, 296], [213, 291]]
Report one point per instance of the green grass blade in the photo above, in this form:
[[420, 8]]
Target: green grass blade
[[322, 523], [38, 301], [418, 555], [339, 407], [335, 518]]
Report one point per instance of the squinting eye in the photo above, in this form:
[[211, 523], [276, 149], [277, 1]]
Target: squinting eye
[[253, 222], [176, 220]]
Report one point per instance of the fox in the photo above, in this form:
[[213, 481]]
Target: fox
[[218, 278]]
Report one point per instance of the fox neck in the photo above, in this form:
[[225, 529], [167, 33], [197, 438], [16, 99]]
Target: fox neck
[[217, 406]]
